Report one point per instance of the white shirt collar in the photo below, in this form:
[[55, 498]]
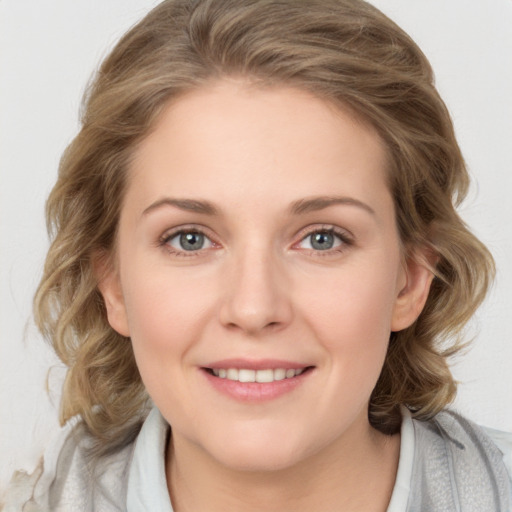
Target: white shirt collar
[[147, 485], [401, 490]]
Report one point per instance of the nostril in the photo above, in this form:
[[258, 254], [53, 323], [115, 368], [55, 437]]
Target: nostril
[[274, 327]]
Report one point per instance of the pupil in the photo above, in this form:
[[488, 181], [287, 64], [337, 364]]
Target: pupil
[[322, 241], [191, 241]]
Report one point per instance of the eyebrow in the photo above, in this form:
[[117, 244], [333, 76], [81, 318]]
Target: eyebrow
[[189, 205], [314, 204], [300, 207]]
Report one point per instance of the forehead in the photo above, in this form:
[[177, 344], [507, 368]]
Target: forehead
[[260, 143]]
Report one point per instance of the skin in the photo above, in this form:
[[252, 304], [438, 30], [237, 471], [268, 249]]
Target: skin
[[258, 289]]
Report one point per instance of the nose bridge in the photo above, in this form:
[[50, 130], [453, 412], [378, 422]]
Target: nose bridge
[[256, 296]]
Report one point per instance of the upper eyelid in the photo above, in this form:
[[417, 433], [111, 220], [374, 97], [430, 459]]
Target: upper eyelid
[[308, 230], [187, 228]]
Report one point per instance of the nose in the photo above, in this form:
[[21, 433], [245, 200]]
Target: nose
[[257, 296]]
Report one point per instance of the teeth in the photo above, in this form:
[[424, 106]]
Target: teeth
[[245, 375], [279, 374], [265, 376], [232, 374]]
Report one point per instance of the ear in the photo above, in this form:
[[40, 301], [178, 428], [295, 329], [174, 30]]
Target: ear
[[414, 289], [109, 285]]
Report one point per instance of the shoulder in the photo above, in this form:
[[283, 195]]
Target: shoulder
[[503, 440], [459, 464], [69, 479]]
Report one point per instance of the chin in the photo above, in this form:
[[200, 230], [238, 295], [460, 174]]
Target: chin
[[258, 451]]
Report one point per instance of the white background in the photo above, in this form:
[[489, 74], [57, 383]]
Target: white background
[[48, 50]]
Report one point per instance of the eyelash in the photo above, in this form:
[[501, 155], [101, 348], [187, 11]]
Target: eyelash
[[168, 236], [343, 236]]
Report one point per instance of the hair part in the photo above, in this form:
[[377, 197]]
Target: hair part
[[344, 51]]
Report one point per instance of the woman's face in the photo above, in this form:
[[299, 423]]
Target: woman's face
[[257, 241]]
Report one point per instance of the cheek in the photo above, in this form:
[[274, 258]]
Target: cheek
[[351, 314], [352, 323], [165, 310], [165, 316]]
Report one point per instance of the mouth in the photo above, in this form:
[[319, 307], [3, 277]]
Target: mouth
[[256, 381], [262, 376]]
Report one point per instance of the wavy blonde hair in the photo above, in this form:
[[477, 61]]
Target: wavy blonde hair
[[344, 51]]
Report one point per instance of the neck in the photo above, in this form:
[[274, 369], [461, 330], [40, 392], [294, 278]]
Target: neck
[[356, 472]]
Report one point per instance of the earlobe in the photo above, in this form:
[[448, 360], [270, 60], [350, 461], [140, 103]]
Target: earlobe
[[413, 295], [109, 285]]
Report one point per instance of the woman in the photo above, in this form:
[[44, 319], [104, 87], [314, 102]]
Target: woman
[[255, 240]]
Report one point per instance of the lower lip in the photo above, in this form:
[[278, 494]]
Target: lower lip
[[256, 391]]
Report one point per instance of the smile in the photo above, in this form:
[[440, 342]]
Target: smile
[[262, 376], [250, 381]]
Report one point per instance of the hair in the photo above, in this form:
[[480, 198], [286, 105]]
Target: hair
[[344, 51]]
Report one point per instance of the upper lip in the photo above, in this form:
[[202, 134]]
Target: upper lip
[[256, 364]]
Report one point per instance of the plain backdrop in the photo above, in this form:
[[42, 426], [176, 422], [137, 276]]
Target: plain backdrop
[[48, 50]]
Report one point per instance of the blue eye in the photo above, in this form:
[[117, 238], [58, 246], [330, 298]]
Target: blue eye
[[189, 241], [322, 240]]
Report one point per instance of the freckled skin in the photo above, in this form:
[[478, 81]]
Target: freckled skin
[[257, 288]]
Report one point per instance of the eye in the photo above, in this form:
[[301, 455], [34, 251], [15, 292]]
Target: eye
[[323, 240], [188, 241]]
